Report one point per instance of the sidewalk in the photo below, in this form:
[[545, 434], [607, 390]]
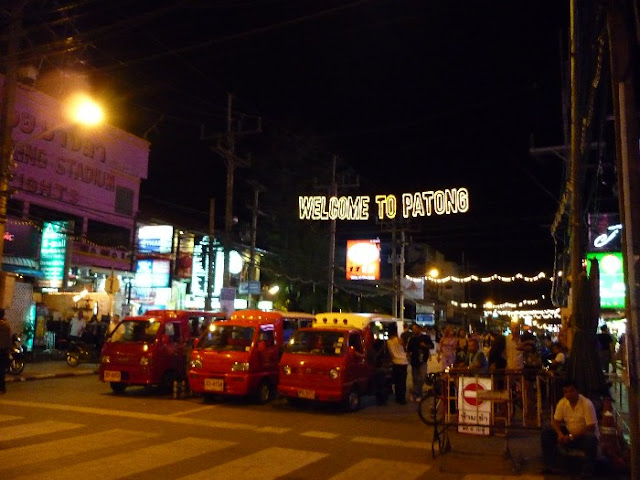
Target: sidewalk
[[45, 369]]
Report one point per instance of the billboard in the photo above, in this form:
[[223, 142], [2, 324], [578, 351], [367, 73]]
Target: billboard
[[155, 239], [612, 287], [363, 259], [153, 273], [53, 254]]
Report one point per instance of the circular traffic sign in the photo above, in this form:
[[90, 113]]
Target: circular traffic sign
[[470, 394]]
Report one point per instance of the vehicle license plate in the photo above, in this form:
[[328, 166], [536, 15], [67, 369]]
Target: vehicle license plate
[[214, 384], [112, 376], [307, 394]]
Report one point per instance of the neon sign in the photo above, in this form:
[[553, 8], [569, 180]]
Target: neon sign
[[605, 238], [418, 204]]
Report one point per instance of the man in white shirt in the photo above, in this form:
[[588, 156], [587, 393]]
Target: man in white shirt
[[574, 426], [399, 364], [77, 326]]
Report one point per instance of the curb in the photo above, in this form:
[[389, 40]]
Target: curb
[[45, 376]]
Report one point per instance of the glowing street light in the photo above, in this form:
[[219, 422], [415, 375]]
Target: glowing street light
[[83, 110], [433, 272]]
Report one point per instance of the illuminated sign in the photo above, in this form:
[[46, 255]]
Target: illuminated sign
[[53, 254], [418, 204], [363, 259], [21, 240], [200, 266], [605, 232], [612, 287], [155, 239], [152, 273]]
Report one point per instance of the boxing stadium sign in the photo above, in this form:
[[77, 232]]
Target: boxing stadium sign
[[412, 205]]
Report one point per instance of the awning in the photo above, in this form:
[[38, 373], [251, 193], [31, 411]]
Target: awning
[[22, 266]]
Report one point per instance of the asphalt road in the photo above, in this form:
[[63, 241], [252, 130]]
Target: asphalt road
[[62, 428]]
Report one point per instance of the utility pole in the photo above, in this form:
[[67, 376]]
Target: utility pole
[[574, 177], [228, 152], [257, 188], [8, 107], [332, 240], [623, 84], [210, 250], [333, 192]]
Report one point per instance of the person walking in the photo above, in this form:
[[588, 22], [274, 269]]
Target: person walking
[[419, 347], [5, 345], [399, 364], [447, 347]]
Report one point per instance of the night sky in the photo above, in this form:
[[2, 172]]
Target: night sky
[[411, 95]]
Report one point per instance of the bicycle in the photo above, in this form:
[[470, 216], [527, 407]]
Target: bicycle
[[432, 410]]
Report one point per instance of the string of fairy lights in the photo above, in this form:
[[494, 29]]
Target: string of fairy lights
[[475, 278]]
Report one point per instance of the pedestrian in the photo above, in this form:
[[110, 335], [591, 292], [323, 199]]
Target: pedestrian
[[476, 359], [5, 345], [419, 348], [607, 347], [76, 327], [496, 357], [447, 347], [461, 348], [399, 364], [574, 426], [113, 324]]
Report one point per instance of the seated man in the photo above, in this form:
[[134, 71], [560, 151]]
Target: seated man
[[574, 426]]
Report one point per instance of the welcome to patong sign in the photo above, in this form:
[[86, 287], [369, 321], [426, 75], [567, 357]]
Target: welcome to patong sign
[[418, 204]]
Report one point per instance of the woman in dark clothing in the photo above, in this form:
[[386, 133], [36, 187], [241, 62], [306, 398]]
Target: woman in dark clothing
[[496, 353]]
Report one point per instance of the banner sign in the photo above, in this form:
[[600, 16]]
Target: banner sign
[[411, 205]]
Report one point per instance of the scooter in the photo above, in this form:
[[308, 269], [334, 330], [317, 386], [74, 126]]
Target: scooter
[[79, 352], [16, 356]]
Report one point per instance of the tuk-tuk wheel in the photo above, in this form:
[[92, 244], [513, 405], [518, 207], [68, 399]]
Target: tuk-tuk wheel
[[264, 392], [352, 402], [118, 387]]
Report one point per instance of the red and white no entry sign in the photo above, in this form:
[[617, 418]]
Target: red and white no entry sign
[[470, 394]]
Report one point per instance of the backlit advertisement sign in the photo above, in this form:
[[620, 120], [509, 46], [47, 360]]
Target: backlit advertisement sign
[[53, 254], [612, 287], [363, 259], [605, 232], [155, 239], [152, 273], [21, 240]]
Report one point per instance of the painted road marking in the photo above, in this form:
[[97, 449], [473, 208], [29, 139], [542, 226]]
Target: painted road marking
[[193, 410], [8, 418], [264, 465], [125, 465], [484, 476], [390, 442], [33, 429], [382, 469], [317, 434], [47, 451]]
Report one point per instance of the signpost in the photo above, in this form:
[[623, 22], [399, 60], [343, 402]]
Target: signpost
[[473, 412]]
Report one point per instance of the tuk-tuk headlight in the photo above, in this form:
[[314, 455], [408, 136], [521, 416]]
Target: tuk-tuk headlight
[[334, 373], [286, 370], [144, 361], [105, 359], [197, 363], [240, 367]]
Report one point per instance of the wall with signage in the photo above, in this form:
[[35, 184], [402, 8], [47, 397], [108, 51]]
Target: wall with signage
[[94, 173]]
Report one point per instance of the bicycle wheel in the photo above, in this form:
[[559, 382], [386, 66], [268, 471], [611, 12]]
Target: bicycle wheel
[[431, 409]]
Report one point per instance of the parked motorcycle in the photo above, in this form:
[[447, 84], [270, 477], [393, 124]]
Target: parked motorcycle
[[81, 352], [16, 356]]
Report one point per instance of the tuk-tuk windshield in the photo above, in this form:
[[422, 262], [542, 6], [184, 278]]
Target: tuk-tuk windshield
[[227, 337], [135, 331], [317, 342]]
